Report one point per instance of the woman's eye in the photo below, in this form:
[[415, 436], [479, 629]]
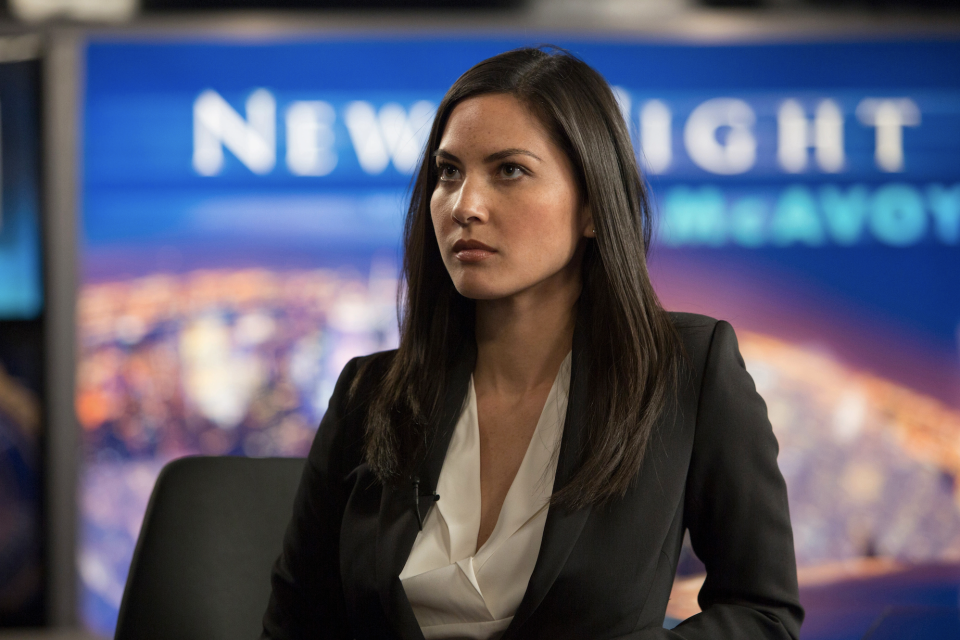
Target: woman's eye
[[511, 171], [448, 172]]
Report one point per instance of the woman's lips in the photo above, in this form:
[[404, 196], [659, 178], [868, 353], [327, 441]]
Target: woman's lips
[[472, 251]]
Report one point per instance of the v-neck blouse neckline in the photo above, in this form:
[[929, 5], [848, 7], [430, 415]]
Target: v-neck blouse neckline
[[455, 589]]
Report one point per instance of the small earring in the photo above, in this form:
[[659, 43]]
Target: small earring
[[594, 231]]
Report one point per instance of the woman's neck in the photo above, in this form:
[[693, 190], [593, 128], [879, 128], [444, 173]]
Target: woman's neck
[[522, 340]]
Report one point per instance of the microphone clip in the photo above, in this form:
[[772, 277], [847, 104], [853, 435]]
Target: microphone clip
[[432, 497]]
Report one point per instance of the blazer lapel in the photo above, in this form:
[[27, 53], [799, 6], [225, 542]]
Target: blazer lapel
[[397, 523], [563, 527]]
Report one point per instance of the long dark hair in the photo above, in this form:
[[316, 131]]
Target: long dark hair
[[634, 359]]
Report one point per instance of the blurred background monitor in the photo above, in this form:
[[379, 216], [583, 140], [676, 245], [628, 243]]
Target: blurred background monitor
[[243, 202], [21, 322]]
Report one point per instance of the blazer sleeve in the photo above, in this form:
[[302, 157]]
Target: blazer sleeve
[[307, 598], [736, 510]]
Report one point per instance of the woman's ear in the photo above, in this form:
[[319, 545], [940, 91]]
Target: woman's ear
[[589, 231]]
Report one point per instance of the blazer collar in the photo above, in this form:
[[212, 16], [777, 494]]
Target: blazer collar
[[397, 525]]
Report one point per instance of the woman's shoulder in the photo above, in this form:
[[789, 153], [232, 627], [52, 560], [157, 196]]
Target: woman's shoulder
[[339, 443], [357, 384], [378, 361], [704, 338], [685, 321], [361, 375], [695, 330]]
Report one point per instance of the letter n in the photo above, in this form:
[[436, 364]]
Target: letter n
[[252, 139]]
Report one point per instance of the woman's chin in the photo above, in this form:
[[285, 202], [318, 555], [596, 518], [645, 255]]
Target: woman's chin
[[470, 288]]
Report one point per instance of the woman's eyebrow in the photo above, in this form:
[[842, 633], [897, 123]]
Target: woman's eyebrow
[[493, 157], [506, 153], [446, 155]]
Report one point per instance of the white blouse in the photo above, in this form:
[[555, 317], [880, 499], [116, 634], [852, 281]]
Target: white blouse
[[456, 590]]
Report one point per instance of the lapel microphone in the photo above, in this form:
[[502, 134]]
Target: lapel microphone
[[433, 497]]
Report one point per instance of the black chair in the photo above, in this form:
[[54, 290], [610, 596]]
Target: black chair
[[201, 569]]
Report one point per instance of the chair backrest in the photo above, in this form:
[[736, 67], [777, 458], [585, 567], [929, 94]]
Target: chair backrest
[[201, 569]]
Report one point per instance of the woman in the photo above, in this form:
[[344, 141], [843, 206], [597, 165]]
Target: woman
[[525, 464]]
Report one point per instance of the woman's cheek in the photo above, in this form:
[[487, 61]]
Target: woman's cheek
[[437, 210]]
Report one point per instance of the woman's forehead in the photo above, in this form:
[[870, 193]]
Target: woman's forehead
[[489, 122]]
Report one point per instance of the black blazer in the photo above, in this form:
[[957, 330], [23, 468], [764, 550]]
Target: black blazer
[[602, 572]]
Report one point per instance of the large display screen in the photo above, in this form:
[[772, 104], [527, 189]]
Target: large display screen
[[21, 277], [21, 354], [242, 207]]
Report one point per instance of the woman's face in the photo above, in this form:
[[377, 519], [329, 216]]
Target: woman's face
[[505, 208]]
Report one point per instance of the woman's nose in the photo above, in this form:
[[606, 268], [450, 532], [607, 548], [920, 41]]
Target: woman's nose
[[471, 204]]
